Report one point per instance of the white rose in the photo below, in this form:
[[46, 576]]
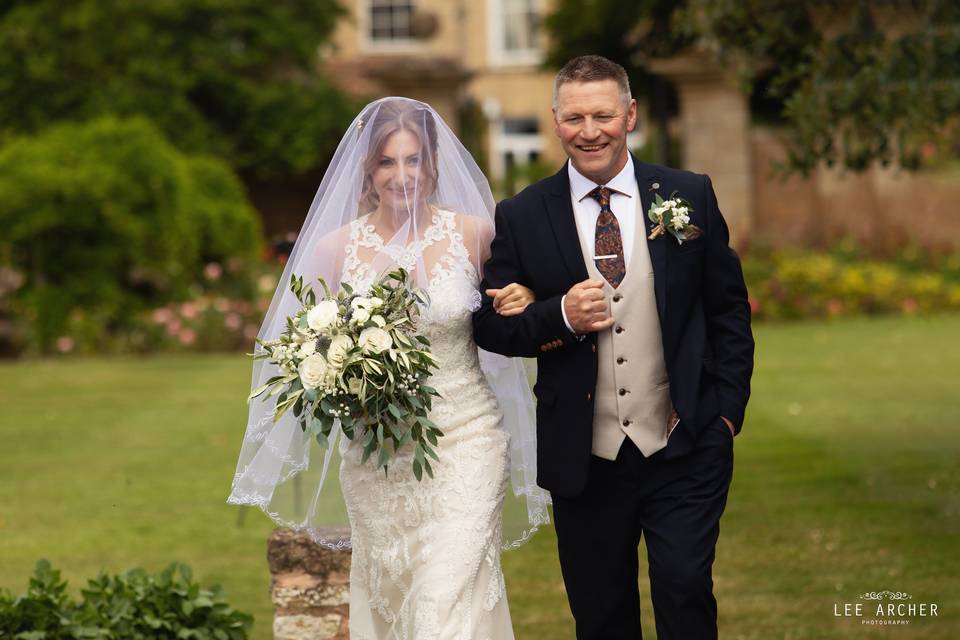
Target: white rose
[[378, 320], [361, 303], [312, 371], [307, 349], [374, 340], [323, 315], [337, 352], [375, 302], [361, 315]]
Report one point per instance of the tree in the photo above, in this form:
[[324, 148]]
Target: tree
[[107, 216], [234, 79], [629, 32], [856, 82]]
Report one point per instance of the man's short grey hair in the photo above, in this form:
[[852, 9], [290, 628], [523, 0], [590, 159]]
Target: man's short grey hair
[[590, 69]]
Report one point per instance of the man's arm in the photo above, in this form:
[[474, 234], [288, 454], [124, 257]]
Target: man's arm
[[727, 315], [523, 335]]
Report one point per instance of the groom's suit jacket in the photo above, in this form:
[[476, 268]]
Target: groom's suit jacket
[[701, 302]]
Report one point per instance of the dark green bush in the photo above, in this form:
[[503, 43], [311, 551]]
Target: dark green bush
[[107, 216], [132, 606]]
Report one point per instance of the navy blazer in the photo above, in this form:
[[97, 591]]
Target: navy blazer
[[701, 301]]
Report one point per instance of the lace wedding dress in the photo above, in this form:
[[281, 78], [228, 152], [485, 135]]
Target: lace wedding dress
[[426, 555]]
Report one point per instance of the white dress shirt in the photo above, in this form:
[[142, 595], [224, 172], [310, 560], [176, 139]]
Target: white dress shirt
[[586, 210]]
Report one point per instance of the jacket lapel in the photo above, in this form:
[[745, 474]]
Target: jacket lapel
[[564, 226], [649, 183]]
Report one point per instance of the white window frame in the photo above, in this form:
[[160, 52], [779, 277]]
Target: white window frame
[[496, 54], [370, 44], [521, 144]]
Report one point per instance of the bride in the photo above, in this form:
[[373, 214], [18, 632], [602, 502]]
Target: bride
[[401, 191]]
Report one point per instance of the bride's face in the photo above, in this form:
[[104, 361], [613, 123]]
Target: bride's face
[[399, 177]]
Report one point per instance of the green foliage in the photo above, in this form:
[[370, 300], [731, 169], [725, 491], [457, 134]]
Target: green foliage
[[108, 216], [859, 83], [236, 80], [132, 606]]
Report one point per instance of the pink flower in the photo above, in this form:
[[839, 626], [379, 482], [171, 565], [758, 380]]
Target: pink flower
[[221, 305], [213, 271], [909, 306], [187, 336], [755, 306], [233, 322], [263, 304], [250, 331], [65, 344], [189, 310], [162, 315], [174, 326], [834, 306]]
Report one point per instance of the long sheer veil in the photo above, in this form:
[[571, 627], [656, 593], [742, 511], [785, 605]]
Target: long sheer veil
[[412, 185]]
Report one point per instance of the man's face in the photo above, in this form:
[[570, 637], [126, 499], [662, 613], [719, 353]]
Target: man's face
[[592, 123]]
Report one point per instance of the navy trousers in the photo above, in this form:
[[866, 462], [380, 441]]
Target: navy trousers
[[676, 504]]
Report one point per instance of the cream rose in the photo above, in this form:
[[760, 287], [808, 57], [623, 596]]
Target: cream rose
[[374, 340], [337, 353], [323, 315], [312, 371]]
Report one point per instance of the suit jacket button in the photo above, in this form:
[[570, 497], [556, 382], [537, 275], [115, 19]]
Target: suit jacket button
[[622, 392], [589, 396], [593, 348], [618, 330]]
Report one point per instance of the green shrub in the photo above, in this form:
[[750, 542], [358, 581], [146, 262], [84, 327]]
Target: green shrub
[[108, 217], [132, 606]]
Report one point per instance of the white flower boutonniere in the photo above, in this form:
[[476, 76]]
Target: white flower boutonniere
[[672, 216]]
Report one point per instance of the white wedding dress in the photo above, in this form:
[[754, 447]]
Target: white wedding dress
[[426, 555]]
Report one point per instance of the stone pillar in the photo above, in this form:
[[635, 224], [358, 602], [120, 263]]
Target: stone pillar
[[715, 118], [310, 586]]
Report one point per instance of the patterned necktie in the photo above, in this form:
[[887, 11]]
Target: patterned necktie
[[608, 245]]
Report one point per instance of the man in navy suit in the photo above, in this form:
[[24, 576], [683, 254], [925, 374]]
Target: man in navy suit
[[644, 355]]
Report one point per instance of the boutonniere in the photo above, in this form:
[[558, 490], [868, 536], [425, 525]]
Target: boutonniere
[[672, 216]]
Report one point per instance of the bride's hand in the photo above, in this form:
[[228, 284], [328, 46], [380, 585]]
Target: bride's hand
[[512, 299]]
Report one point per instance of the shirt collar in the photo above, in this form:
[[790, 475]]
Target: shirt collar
[[623, 182]]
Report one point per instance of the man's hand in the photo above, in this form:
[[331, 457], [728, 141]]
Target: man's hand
[[585, 306], [512, 299], [733, 430]]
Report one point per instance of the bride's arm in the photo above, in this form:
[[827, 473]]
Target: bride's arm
[[510, 300]]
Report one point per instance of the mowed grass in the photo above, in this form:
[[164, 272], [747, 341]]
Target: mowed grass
[[847, 480]]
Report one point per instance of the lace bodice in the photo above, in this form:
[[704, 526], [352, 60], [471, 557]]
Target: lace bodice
[[451, 286]]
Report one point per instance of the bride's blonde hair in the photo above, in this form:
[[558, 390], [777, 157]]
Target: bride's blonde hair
[[389, 118]]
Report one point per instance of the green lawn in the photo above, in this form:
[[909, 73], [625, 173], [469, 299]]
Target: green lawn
[[847, 480]]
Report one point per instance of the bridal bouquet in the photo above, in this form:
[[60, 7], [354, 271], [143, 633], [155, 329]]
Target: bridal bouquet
[[357, 359]]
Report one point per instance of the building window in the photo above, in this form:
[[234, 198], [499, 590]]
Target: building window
[[390, 20], [515, 145], [514, 31]]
